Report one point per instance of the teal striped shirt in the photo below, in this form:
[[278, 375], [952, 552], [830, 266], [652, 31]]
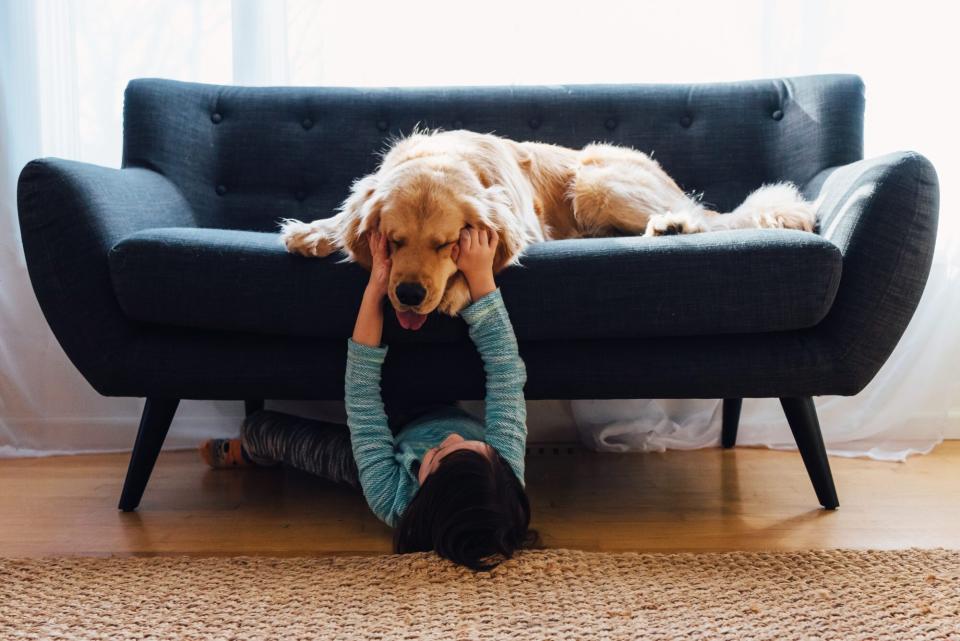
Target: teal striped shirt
[[385, 461]]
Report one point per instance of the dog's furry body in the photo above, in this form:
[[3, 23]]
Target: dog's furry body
[[431, 184]]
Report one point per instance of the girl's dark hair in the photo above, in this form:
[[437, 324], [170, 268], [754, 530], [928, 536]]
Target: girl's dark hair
[[471, 510]]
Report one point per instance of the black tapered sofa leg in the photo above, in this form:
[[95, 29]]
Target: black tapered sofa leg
[[252, 405], [802, 417], [731, 421], [154, 424]]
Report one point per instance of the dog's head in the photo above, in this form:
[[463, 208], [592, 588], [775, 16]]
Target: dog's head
[[421, 205]]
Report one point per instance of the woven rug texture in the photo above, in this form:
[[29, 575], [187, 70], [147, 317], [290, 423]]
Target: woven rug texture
[[555, 594]]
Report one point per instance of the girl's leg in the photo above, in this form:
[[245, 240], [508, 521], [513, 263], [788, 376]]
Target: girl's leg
[[316, 447]]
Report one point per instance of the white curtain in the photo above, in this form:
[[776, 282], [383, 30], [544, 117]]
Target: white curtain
[[64, 64]]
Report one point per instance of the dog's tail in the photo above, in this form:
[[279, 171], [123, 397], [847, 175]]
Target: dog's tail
[[777, 206]]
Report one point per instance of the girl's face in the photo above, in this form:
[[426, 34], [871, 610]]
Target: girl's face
[[452, 443]]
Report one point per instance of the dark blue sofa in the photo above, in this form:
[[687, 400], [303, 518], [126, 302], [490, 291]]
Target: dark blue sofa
[[167, 280]]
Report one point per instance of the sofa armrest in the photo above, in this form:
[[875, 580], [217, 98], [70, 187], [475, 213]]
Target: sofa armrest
[[71, 214], [882, 214]]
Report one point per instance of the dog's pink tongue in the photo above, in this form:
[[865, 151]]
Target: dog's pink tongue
[[411, 320]]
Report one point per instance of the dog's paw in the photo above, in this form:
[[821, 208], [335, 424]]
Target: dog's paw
[[778, 206], [672, 224], [799, 216], [306, 239]]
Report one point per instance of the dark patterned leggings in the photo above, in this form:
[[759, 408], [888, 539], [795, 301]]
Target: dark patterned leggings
[[317, 447]]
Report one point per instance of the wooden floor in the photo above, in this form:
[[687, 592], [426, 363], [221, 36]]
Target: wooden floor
[[706, 500]]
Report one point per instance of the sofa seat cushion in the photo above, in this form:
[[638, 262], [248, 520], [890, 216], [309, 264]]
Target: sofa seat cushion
[[608, 288]]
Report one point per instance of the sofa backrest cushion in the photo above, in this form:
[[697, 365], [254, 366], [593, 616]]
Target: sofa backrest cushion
[[246, 156]]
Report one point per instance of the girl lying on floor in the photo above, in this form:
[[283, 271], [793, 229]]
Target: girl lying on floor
[[444, 480]]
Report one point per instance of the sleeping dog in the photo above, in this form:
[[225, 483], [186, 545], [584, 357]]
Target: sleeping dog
[[430, 185]]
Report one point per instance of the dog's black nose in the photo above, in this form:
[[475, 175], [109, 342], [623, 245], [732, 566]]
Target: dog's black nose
[[411, 293]]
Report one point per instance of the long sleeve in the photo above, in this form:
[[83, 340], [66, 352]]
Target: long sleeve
[[370, 436], [506, 408]]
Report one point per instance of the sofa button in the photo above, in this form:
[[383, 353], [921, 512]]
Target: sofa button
[[215, 118], [458, 124], [306, 123], [300, 195], [382, 125], [777, 115], [221, 189], [611, 124], [686, 121], [534, 123]]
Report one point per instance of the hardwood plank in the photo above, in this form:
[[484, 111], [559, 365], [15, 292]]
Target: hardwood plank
[[707, 500]]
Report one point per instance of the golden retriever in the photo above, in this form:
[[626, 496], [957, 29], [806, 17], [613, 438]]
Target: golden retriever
[[432, 184]]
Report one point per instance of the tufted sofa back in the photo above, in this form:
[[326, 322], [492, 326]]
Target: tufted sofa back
[[245, 156]]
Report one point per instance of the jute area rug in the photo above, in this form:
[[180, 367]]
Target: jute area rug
[[848, 595]]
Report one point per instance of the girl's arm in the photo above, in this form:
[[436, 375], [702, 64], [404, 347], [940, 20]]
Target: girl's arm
[[492, 333], [368, 329], [369, 326], [370, 436]]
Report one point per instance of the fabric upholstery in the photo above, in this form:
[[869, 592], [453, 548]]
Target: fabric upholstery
[[71, 214], [721, 283], [293, 152], [882, 214], [258, 154]]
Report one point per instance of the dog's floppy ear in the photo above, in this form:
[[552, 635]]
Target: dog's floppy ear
[[362, 211], [493, 210]]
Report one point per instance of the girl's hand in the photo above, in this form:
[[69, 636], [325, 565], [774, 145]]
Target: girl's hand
[[474, 257], [380, 269]]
